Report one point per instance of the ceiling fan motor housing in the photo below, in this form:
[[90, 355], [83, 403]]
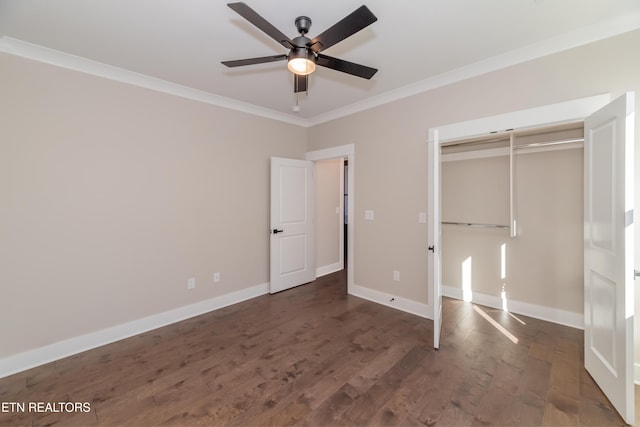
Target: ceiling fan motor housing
[[303, 23], [301, 49]]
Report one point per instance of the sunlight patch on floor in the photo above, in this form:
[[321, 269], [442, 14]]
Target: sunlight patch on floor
[[517, 318], [496, 325]]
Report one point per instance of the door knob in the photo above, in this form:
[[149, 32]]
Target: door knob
[[276, 231], [432, 249]]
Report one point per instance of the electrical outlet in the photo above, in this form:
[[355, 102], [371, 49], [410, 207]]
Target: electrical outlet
[[191, 283], [396, 275], [216, 277]]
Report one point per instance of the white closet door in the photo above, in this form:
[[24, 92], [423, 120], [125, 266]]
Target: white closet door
[[608, 252]]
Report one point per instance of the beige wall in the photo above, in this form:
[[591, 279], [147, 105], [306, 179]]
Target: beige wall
[[329, 221], [476, 190], [391, 154], [112, 196]]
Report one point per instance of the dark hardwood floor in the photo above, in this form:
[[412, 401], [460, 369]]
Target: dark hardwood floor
[[315, 356]]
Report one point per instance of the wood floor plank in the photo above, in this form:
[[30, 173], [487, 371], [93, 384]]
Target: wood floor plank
[[453, 416], [316, 356], [497, 408], [561, 410], [367, 404]]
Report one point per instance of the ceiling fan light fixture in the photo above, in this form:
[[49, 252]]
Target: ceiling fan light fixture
[[301, 62]]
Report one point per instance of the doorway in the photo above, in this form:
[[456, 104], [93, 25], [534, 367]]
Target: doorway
[[559, 113], [346, 152], [556, 113], [329, 210]]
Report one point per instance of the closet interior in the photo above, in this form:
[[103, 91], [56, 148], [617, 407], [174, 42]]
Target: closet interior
[[512, 217]]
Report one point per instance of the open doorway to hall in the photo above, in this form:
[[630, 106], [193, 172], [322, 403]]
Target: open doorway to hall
[[331, 213], [344, 244]]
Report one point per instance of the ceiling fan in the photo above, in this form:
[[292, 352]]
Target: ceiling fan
[[304, 53]]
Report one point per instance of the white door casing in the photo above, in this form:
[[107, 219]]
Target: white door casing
[[292, 220], [609, 251], [434, 235]]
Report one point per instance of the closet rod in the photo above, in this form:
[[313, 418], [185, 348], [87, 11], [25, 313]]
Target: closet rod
[[546, 144], [475, 224]]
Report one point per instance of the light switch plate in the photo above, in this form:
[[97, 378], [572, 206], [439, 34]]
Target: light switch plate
[[422, 217], [368, 215]]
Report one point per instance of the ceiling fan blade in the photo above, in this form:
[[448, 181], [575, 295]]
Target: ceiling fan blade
[[252, 16], [252, 61], [356, 21], [346, 66], [300, 83]]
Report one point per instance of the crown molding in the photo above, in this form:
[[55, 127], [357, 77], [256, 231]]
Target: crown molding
[[77, 63], [576, 38], [579, 37]]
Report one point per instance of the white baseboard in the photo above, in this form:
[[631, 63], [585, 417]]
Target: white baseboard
[[39, 356], [328, 269], [403, 304], [554, 315]]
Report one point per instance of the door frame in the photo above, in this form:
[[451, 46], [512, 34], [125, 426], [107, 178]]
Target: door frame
[[346, 152], [434, 233], [545, 115]]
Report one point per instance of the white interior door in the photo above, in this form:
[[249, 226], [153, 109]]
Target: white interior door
[[293, 246], [434, 225], [608, 251]]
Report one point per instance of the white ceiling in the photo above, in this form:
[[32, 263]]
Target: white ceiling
[[414, 44]]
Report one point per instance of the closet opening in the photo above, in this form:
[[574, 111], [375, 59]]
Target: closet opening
[[512, 218]]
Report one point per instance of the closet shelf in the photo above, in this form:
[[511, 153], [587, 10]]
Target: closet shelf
[[475, 224]]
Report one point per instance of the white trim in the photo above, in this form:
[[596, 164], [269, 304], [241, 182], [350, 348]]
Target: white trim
[[393, 301], [475, 154], [636, 373], [576, 38], [562, 112], [504, 151], [533, 150], [344, 151], [77, 63], [49, 353], [328, 269], [554, 315], [331, 152]]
